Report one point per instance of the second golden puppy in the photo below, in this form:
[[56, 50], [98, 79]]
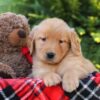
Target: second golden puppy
[[57, 54]]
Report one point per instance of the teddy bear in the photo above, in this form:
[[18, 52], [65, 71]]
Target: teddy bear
[[14, 29], [6, 71]]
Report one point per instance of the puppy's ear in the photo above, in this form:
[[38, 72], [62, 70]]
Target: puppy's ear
[[75, 44], [30, 42]]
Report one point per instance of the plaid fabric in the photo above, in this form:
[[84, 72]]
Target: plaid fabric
[[34, 89], [89, 88], [29, 89]]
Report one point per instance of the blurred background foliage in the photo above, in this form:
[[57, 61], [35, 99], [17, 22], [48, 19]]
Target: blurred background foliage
[[83, 15]]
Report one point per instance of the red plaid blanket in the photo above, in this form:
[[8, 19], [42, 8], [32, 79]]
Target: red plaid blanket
[[34, 89], [29, 89]]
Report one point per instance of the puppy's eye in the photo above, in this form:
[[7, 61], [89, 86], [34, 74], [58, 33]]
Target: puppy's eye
[[43, 38], [61, 41]]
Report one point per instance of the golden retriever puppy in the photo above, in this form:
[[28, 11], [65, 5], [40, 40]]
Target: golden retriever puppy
[[57, 54]]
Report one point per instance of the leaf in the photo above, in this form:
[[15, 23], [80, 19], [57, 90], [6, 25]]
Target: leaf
[[33, 15], [98, 66], [81, 31], [96, 36]]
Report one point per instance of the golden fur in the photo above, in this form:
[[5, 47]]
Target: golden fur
[[68, 64]]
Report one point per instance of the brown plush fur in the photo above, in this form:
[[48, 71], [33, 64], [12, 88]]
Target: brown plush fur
[[6, 71], [11, 42], [68, 65]]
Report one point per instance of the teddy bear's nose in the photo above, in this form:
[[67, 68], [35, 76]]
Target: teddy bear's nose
[[21, 33]]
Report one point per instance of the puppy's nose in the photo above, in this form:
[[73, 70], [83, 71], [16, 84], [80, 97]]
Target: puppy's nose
[[50, 55], [21, 33]]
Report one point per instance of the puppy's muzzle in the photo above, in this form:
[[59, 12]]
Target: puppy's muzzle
[[50, 55]]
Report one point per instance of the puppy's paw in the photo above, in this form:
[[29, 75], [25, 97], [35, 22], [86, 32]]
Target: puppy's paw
[[51, 79], [70, 83]]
